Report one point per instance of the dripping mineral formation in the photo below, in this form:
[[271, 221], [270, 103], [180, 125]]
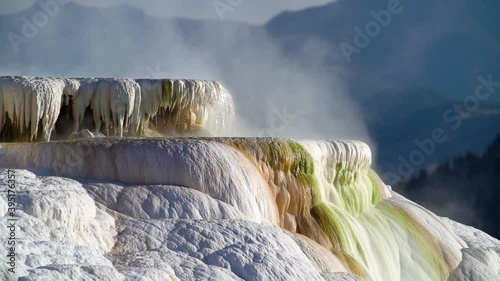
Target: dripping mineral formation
[[53, 108], [158, 208]]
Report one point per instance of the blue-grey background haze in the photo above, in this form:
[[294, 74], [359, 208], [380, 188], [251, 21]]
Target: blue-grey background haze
[[252, 11]]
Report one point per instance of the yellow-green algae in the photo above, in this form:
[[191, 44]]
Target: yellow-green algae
[[289, 170], [373, 238]]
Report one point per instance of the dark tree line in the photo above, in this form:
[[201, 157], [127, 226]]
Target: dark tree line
[[466, 189]]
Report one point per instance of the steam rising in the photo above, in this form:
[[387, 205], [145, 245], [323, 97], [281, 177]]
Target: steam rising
[[274, 95]]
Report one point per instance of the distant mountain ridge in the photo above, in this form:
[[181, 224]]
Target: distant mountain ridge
[[438, 45]]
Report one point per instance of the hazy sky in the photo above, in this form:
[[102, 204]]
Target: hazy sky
[[252, 11]]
